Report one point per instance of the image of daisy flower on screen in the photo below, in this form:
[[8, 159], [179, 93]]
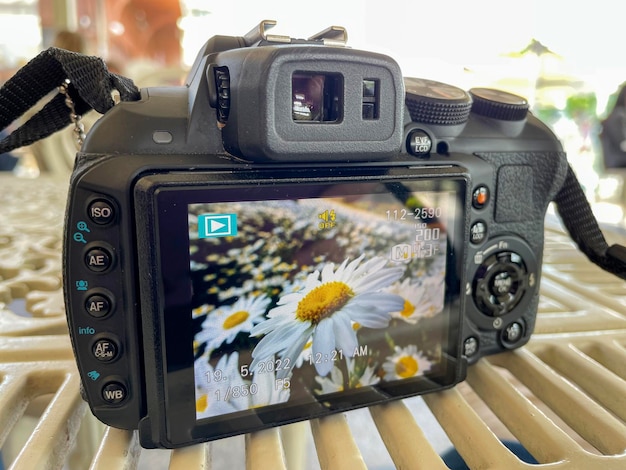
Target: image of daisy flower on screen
[[324, 310], [210, 380], [225, 323], [267, 390], [405, 362], [358, 377], [421, 300]]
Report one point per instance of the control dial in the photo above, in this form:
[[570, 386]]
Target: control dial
[[500, 283], [498, 104], [436, 103]]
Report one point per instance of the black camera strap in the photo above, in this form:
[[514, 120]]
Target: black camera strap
[[582, 225], [85, 83]]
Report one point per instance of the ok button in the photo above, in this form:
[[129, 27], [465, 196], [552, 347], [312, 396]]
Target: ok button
[[98, 259]]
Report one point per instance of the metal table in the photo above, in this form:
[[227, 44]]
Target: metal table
[[563, 396]]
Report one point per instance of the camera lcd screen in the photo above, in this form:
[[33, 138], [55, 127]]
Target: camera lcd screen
[[309, 298]]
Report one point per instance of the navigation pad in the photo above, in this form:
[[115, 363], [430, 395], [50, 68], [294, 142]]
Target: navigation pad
[[500, 283]]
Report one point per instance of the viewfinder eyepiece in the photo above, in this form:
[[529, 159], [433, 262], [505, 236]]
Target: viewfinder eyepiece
[[317, 97]]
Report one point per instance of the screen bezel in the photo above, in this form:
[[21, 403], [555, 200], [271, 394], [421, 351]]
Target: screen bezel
[[173, 321]]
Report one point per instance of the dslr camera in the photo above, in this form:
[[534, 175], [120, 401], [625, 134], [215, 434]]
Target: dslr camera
[[296, 231]]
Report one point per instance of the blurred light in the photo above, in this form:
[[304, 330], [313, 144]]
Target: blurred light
[[608, 213], [85, 22], [116, 28], [610, 187]]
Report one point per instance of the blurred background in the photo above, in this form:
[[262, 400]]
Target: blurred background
[[564, 56]]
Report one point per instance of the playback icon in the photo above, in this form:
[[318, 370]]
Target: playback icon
[[217, 225]]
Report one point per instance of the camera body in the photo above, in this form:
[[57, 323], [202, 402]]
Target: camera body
[[297, 231]]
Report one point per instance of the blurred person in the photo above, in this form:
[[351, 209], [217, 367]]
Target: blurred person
[[613, 134]]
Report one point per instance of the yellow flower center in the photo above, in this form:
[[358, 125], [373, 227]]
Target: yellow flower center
[[406, 367], [235, 319], [323, 301], [202, 403], [408, 309]]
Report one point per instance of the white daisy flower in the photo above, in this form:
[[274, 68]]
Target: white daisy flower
[[210, 380], [325, 308], [305, 356], [331, 384], [268, 390], [223, 324], [335, 383], [405, 362], [420, 300]]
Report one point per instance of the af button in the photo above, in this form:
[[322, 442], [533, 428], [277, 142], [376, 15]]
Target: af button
[[105, 350], [98, 304]]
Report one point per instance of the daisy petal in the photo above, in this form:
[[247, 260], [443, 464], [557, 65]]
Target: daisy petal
[[345, 336], [323, 345]]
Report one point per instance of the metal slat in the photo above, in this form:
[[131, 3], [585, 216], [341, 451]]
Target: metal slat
[[51, 441], [335, 445], [119, 449], [563, 396], [591, 421], [541, 436], [264, 450], [477, 444], [404, 439]]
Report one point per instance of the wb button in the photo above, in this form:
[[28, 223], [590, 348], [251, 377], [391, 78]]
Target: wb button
[[114, 393], [217, 225]]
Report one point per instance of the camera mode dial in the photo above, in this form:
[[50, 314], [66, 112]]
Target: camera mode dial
[[498, 104], [436, 103]]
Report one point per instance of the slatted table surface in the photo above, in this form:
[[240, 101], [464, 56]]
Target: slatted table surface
[[563, 396]]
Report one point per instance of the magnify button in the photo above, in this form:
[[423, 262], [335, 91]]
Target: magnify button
[[78, 237], [82, 226]]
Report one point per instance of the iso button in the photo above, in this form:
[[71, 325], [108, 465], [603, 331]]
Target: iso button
[[101, 212]]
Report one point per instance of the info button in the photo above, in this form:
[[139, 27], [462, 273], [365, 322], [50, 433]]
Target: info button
[[105, 350]]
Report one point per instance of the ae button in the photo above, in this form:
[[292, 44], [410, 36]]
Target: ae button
[[98, 259]]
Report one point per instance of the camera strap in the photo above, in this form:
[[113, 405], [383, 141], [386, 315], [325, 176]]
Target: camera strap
[[582, 225], [84, 83]]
